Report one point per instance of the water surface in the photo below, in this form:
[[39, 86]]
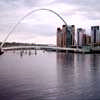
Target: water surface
[[26, 75]]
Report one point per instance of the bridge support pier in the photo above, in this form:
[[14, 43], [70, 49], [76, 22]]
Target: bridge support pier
[[1, 51]]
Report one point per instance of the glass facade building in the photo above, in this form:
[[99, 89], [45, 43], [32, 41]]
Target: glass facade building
[[95, 32], [66, 36]]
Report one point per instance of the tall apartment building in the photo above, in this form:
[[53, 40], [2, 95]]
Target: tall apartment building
[[80, 33], [64, 31], [66, 36], [59, 37], [83, 39], [86, 40], [71, 31], [95, 33]]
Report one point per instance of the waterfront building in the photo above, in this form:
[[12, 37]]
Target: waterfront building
[[95, 33], [66, 36], [80, 34], [70, 35], [72, 32], [86, 40], [59, 37]]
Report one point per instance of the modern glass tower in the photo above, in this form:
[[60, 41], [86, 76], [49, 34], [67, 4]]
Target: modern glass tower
[[95, 32]]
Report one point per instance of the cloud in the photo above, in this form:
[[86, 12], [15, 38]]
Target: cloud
[[82, 13], [88, 8], [23, 3]]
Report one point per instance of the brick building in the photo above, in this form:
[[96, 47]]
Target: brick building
[[66, 36]]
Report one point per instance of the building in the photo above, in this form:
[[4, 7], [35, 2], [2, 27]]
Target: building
[[72, 30], [66, 36], [71, 35], [83, 39], [59, 37], [95, 33], [80, 34], [86, 40]]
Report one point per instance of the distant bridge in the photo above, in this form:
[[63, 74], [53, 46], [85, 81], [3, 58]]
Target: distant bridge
[[48, 48]]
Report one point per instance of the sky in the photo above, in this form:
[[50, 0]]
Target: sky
[[41, 26]]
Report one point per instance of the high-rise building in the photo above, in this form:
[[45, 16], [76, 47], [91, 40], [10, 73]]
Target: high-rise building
[[86, 40], [64, 31], [71, 34], [59, 37], [80, 33], [66, 36], [95, 33]]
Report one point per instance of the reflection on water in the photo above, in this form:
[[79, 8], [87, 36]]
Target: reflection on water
[[79, 76], [27, 52], [49, 76], [21, 53]]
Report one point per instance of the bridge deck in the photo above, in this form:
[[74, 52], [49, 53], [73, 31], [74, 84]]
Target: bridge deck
[[46, 48]]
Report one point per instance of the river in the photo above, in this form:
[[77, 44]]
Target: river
[[27, 75]]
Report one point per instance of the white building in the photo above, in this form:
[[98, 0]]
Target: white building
[[80, 33]]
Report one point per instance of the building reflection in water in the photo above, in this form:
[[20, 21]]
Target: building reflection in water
[[86, 70], [95, 75], [95, 62], [65, 62], [78, 75], [26, 52], [65, 66], [29, 53], [81, 64], [13, 51], [65, 58]]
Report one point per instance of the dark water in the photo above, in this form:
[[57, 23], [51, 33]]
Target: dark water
[[49, 76]]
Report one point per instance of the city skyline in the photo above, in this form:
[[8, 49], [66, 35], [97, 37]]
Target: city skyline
[[41, 27]]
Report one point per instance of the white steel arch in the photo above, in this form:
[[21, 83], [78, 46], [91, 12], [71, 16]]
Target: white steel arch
[[29, 13]]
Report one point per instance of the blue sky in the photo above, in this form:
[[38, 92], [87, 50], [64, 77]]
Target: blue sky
[[40, 27]]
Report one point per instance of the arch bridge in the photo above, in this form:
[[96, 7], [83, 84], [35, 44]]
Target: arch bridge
[[41, 47], [29, 13]]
